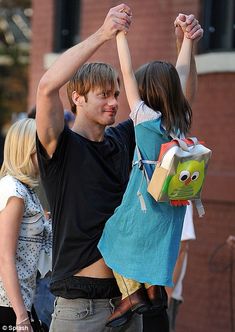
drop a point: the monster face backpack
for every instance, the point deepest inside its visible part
(180, 173)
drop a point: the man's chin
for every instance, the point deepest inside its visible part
(110, 121)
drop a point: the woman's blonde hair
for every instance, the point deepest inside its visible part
(20, 145)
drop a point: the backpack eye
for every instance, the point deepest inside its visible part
(184, 175)
(195, 176)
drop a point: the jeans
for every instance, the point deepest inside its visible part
(85, 315)
(44, 300)
(156, 322)
(172, 312)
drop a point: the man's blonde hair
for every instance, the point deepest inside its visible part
(91, 76)
(20, 144)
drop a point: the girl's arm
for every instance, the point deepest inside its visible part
(183, 62)
(194, 32)
(129, 80)
(10, 220)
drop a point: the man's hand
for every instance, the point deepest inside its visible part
(187, 24)
(117, 19)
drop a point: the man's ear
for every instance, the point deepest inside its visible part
(78, 99)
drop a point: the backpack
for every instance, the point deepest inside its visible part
(180, 172)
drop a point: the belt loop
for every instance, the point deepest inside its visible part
(112, 304)
(55, 301)
(91, 307)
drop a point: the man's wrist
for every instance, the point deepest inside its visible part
(100, 36)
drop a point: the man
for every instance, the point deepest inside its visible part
(85, 172)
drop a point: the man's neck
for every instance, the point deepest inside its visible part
(91, 131)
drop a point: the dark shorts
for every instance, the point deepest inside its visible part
(7, 319)
(84, 287)
(172, 312)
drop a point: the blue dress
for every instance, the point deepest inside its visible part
(143, 245)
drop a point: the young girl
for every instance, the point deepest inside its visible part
(25, 234)
(141, 240)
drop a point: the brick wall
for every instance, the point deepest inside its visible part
(207, 289)
(42, 41)
(206, 294)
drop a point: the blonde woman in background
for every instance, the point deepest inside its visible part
(25, 233)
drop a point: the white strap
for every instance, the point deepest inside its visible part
(194, 140)
(182, 144)
(150, 162)
(199, 207)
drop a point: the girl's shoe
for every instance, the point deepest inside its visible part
(134, 303)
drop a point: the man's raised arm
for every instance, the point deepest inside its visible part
(49, 114)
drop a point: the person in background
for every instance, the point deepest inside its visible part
(69, 118)
(231, 241)
(175, 294)
(44, 299)
(25, 242)
(1, 148)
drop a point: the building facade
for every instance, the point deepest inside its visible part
(209, 302)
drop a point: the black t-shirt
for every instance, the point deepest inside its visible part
(84, 183)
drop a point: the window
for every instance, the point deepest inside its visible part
(219, 26)
(67, 17)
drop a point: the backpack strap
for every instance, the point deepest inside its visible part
(183, 143)
(200, 208)
(146, 174)
(143, 164)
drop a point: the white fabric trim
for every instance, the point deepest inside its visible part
(188, 233)
(142, 113)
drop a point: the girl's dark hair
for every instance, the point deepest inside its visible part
(160, 89)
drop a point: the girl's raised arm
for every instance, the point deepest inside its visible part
(183, 62)
(129, 80)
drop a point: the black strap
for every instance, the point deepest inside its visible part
(36, 323)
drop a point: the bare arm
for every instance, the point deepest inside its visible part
(183, 62)
(194, 32)
(49, 115)
(10, 220)
(129, 79)
(184, 246)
